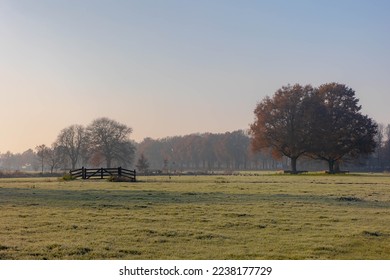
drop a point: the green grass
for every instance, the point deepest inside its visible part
(197, 217)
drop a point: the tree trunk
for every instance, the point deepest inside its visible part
(294, 164)
(336, 168)
(331, 166)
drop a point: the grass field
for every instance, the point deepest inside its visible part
(199, 217)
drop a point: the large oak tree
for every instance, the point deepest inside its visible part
(324, 123)
(341, 130)
(282, 123)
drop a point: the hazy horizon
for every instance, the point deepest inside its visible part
(169, 68)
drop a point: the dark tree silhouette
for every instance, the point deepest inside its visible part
(111, 139)
(340, 130)
(282, 123)
(71, 141)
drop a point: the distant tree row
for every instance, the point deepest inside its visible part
(204, 152)
(299, 126)
(323, 123)
(103, 142)
(208, 151)
(380, 159)
(27, 160)
(233, 151)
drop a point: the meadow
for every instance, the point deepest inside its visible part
(249, 216)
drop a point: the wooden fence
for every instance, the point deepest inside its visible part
(101, 173)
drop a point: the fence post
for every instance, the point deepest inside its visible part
(119, 171)
(83, 173)
(134, 176)
(101, 173)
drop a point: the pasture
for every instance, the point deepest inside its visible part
(265, 216)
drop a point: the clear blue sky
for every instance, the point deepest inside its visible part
(176, 67)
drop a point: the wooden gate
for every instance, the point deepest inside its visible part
(101, 173)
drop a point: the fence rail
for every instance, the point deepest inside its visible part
(101, 173)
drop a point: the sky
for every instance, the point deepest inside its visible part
(176, 67)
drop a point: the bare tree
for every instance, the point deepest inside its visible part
(42, 153)
(72, 141)
(53, 157)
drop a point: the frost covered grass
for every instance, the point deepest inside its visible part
(197, 217)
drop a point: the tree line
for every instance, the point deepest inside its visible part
(203, 152)
(298, 127)
(207, 152)
(103, 142)
(233, 151)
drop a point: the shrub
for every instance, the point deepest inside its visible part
(118, 179)
(68, 177)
